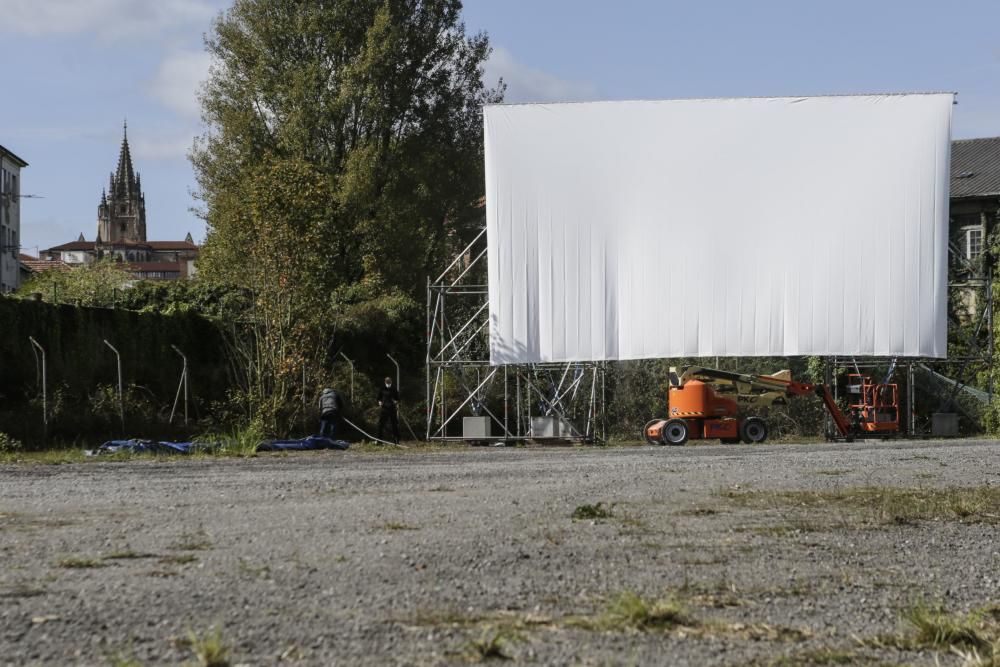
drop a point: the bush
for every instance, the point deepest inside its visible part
(8, 444)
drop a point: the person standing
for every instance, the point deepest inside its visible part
(388, 401)
(330, 406)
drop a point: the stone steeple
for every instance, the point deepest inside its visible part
(121, 214)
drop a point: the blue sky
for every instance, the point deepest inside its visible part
(74, 69)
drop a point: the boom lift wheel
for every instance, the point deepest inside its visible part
(645, 433)
(675, 432)
(753, 430)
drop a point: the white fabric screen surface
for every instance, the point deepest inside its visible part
(729, 227)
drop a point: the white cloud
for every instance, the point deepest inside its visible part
(177, 81)
(529, 84)
(106, 18)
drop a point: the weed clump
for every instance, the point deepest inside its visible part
(210, 649)
(493, 645)
(885, 505)
(80, 563)
(630, 611)
(598, 511)
(933, 627)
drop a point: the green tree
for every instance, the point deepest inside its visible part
(100, 283)
(343, 160)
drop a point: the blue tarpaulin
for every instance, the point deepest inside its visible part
(138, 446)
(303, 444)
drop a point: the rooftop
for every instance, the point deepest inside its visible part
(6, 153)
(975, 167)
(36, 265)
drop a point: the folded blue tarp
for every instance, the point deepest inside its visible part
(302, 444)
(136, 446)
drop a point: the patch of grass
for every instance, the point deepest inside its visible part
(397, 525)
(884, 505)
(209, 648)
(933, 627)
(598, 511)
(975, 637)
(46, 457)
(123, 658)
(179, 559)
(28, 522)
(630, 611)
(196, 541)
(22, 590)
(253, 570)
(698, 511)
(80, 563)
(241, 441)
(493, 645)
(128, 554)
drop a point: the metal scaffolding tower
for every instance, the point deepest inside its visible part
(549, 402)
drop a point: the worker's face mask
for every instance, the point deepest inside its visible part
(388, 384)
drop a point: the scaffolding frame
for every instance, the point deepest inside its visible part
(461, 382)
(955, 373)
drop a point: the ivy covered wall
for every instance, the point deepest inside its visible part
(82, 370)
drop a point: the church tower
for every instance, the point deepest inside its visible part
(121, 215)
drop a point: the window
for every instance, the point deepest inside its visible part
(973, 242)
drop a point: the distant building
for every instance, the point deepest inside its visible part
(975, 194)
(121, 232)
(31, 266)
(974, 213)
(10, 219)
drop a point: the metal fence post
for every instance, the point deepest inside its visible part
(183, 383)
(351, 363)
(121, 398)
(45, 410)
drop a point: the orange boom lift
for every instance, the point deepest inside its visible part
(695, 409)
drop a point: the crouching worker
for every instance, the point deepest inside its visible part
(330, 406)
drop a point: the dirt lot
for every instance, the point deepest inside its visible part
(707, 555)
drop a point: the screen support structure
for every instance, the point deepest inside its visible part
(929, 386)
(543, 402)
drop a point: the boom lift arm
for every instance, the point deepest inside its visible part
(779, 384)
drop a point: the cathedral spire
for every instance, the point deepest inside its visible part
(121, 215)
(125, 174)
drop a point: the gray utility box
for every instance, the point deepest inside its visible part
(552, 427)
(475, 428)
(549, 427)
(944, 424)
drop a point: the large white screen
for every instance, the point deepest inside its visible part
(729, 227)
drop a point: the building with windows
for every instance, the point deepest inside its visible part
(975, 194)
(10, 220)
(974, 212)
(121, 232)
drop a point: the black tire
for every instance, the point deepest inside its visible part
(674, 432)
(645, 433)
(753, 430)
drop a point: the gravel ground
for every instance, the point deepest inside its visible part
(439, 557)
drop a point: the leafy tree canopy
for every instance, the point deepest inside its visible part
(342, 163)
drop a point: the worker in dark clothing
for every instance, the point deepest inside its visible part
(330, 407)
(388, 400)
